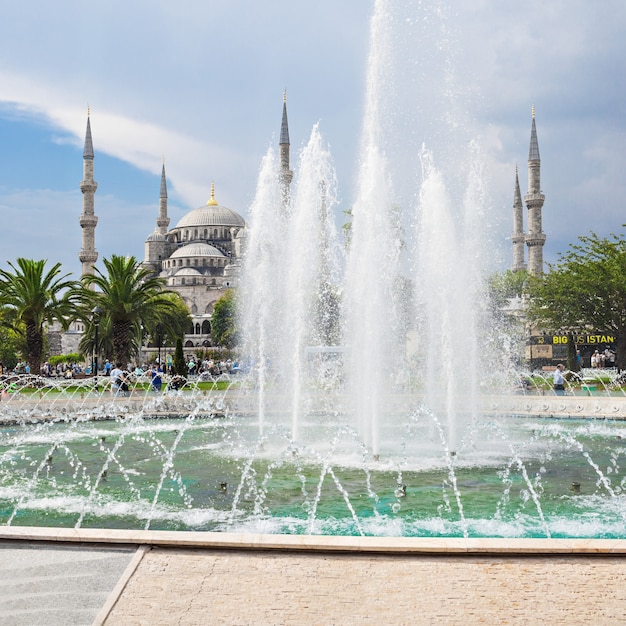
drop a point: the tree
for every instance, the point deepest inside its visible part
(504, 286)
(177, 322)
(223, 321)
(33, 298)
(585, 289)
(180, 365)
(128, 295)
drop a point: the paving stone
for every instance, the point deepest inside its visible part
(204, 586)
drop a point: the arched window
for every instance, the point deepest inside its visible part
(188, 344)
(182, 281)
(215, 233)
(206, 233)
(194, 309)
(206, 327)
(191, 329)
(195, 233)
(187, 262)
(197, 328)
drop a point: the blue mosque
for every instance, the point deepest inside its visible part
(199, 257)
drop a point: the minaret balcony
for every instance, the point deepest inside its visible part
(535, 239)
(534, 199)
(87, 256)
(88, 221)
(88, 186)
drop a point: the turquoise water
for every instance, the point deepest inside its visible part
(510, 477)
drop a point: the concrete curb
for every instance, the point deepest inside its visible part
(315, 543)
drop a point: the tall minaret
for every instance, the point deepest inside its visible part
(88, 220)
(536, 238)
(285, 176)
(163, 221)
(518, 237)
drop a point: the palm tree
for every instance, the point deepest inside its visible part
(32, 298)
(128, 296)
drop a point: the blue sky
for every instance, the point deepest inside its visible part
(201, 82)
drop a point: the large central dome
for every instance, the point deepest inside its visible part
(211, 214)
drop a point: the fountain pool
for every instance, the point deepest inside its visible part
(369, 361)
(510, 476)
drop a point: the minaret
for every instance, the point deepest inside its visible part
(536, 238)
(285, 175)
(518, 237)
(88, 220)
(163, 221)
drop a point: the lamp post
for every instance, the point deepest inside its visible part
(140, 364)
(96, 313)
(159, 334)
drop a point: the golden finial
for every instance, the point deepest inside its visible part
(88, 110)
(284, 96)
(164, 158)
(212, 201)
(533, 111)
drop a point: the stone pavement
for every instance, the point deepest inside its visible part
(202, 586)
(152, 578)
(57, 584)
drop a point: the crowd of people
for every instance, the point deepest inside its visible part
(602, 360)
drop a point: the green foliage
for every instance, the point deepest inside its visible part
(72, 357)
(502, 286)
(347, 227)
(585, 289)
(33, 297)
(223, 327)
(180, 365)
(175, 324)
(10, 344)
(128, 296)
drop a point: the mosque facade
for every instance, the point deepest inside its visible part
(200, 257)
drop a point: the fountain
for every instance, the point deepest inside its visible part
(361, 411)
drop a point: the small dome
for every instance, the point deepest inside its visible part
(156, 236)
(188, 271)
(196, 250)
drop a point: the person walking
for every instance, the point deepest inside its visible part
(117, 378)
(157, 378)
(559, 380)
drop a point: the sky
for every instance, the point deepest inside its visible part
(198, 84)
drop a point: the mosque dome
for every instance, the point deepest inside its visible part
(156, 236)
(188, 271)
(196, 249)
(211, 214)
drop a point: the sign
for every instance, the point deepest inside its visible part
(595, 339)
